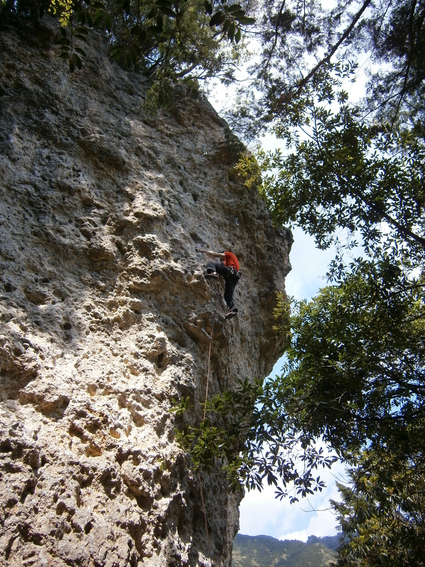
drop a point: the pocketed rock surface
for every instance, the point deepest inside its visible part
(105, 314)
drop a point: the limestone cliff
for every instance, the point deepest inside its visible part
(104, 311)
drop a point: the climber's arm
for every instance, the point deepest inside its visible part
(211, 253)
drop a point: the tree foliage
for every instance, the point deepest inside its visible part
(247, 434)
(167, 40)
(300, 40)
(382, 511)
(356, 372)
(347, 175)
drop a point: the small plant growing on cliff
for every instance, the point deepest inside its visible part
(217, 439)
(282, 315)
(68, 47)
(248, 169)
(234, 146)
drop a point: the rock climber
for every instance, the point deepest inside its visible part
(228, 268)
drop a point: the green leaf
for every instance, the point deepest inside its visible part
(238, 35)
(167, 12)
(63, 41)
(217, 19)
(239, 14)
(234, 8)
(246, 21)
(208, 7)
(76, 60)
(231, 32)
(71, 65)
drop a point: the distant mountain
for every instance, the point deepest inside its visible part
(330, 541)
(265, 551)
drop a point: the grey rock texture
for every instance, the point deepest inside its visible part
(104, 311)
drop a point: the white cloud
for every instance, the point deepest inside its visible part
(262, 514)
(309, 266)
(321, 525)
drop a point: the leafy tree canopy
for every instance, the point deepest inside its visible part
(356, 374)
(382, 511)
(167, 40)
(345, 175)
(301, 40)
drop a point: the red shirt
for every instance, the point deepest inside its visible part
(231, 261)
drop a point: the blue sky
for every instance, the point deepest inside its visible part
(261, 513)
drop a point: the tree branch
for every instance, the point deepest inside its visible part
(406, 232)
(275, 35)
(410, 59)
(325, 60)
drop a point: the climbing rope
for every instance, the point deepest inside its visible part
(205, 413)
(208, 379)
(205, 518)
(210, 337)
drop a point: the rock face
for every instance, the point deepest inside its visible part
(104, 312)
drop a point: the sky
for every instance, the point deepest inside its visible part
(261, 513)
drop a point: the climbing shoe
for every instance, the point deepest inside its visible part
(231, 313)
(211, 275)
